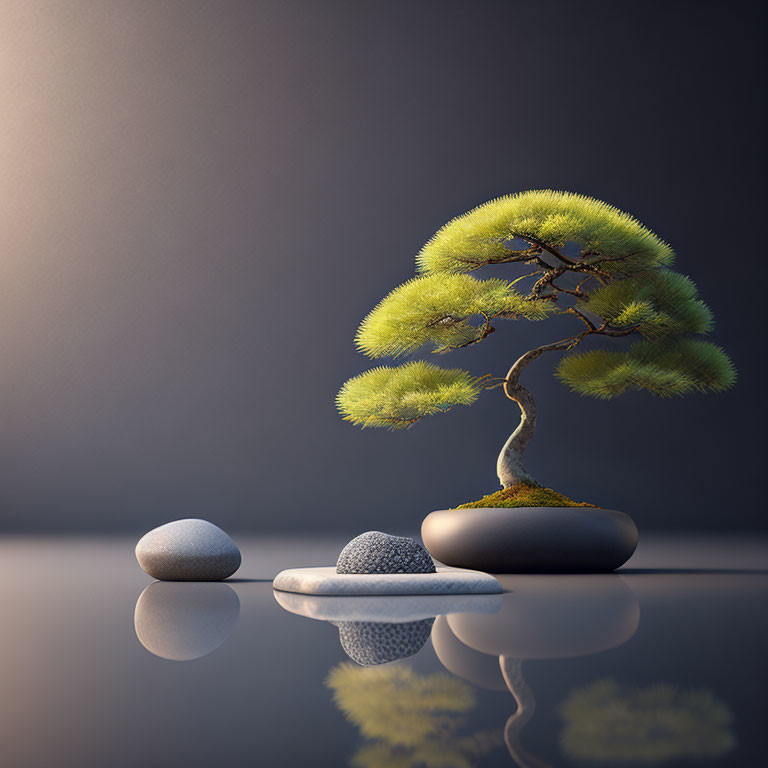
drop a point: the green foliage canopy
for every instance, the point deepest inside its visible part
(607, 235)
(396, 397)
(668, 368)
(660, 302)
(438, 310)
(621, 285)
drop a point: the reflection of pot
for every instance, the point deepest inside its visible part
(480, 669)
(541, 617)
(553, 617)
(181, 621)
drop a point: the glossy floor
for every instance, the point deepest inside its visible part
(664, 663)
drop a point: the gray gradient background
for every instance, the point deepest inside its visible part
(200, 201)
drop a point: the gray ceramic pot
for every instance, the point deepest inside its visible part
(531, 539)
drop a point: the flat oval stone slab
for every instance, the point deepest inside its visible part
(531, 539)
(188, 550)
(445, 581)
(377, 552)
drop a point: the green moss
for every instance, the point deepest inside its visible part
(522, 495)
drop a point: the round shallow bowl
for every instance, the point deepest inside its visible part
(531, 539)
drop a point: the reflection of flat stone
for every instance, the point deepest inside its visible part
(531, 539)
(325, 581)
(384, 608)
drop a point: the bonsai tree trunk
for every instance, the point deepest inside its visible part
(509, 466)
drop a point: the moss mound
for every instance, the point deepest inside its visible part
(522, 495)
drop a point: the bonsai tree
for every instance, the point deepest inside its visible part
(580, 257)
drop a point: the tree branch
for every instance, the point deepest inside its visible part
(512, 379)
(527, 256)
(609, 330)
(590, 276)
(548, 278)
(544, 247)
(587, 258)
(575, 293)
(529, 252)
(582, 317)
(485, 330)
(522, 277)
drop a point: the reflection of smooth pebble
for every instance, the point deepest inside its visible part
(370, 643)
(188, 550)
(185, 621)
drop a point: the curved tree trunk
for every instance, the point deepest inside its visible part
(509, 466)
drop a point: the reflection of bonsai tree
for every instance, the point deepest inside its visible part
(658, 722)
(469, 663)
(559, 617)
(619, 284)
(411, 719)
(512, 670)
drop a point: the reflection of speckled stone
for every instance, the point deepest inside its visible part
(376, 552)
(370, 643)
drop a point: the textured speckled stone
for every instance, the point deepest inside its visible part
(377, 552)
(188, 550)
(370, 643)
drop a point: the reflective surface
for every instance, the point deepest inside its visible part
(663, 663)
